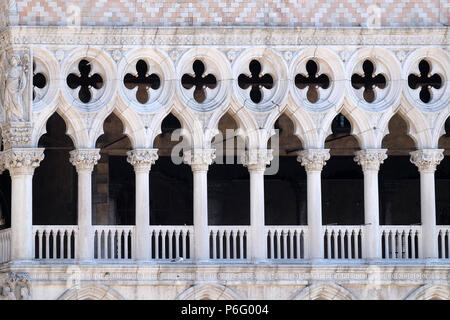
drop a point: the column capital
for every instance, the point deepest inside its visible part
(142, 159)
(22, 161)
(17, 135)
(199, 159)
(427, 159)
(313, 159)
(84, 159)
(257, 159)
(370, 159)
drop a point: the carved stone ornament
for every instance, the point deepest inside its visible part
(427, 159)
(370, 159)
(14, 286)
(14, 83)
(257, 159)
(16, 135)
(313, 159)
(199, 159)
(84, 159)
(22, 161)
(142, 159)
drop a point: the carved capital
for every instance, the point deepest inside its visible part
(22, 161)
(199, 159)
(15, 286)
(16, 135)
(313, 159)
(257, 159)
(142, 159)
(427, 159)
(370, 159)
(84, 159)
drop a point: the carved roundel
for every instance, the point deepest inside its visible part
(45, 86)
(317, 79)
(374, 79)
(146, 79)
(427, 85)
(261, 80)
(89, 79)
(204, 78)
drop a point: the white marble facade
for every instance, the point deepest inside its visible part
(226, 53)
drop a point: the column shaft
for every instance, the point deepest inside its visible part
(258, 241)
(201, 235)
(85, 236)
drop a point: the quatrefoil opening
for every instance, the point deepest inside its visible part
(85, 80)
(257, 81)
(39, 82)
(369, 80)
(313, 81)
(143, 81)
(199, 80)
(425, 81)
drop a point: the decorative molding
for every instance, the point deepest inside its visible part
(16, 135)
(22, 161)
(199, 159)
(245, 36)
(257, 159)
(427, 159)
(313, 159)
(84, 159)
(370, 159)
(142, 159)
(15, 286)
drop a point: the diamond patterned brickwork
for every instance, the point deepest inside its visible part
(301, 13)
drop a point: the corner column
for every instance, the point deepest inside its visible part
(84, 161)
(142, 160)
(426, 161)
(199, 160)
(370, 160)
(256, 161)
(313, 160)
(21, 163)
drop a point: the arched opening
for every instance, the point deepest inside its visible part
(342, 178)
(285, 191)
(113, 182)
(443, 180)
(171, 184)
(399, 180)
(55, 175)
(228, 179)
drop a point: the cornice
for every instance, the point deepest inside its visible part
(226, 36)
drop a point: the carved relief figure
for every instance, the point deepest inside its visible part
(14, 85)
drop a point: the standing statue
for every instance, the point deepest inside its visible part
(14, 85)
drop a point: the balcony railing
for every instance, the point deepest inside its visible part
(286, 242)
(342, 242)
(5, 245)
(401, 242)
(55, 242)
(227, 243)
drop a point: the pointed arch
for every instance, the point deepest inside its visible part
(303, 126)
(91, 292)
(430, 292)
(327, 291)
(208, 291)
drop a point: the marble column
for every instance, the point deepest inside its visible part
(21, 162)
(426, 161)
(84, 161)
(199, 160)
(142, 160)
(256, 161)
(313, 160)
(370, 160)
